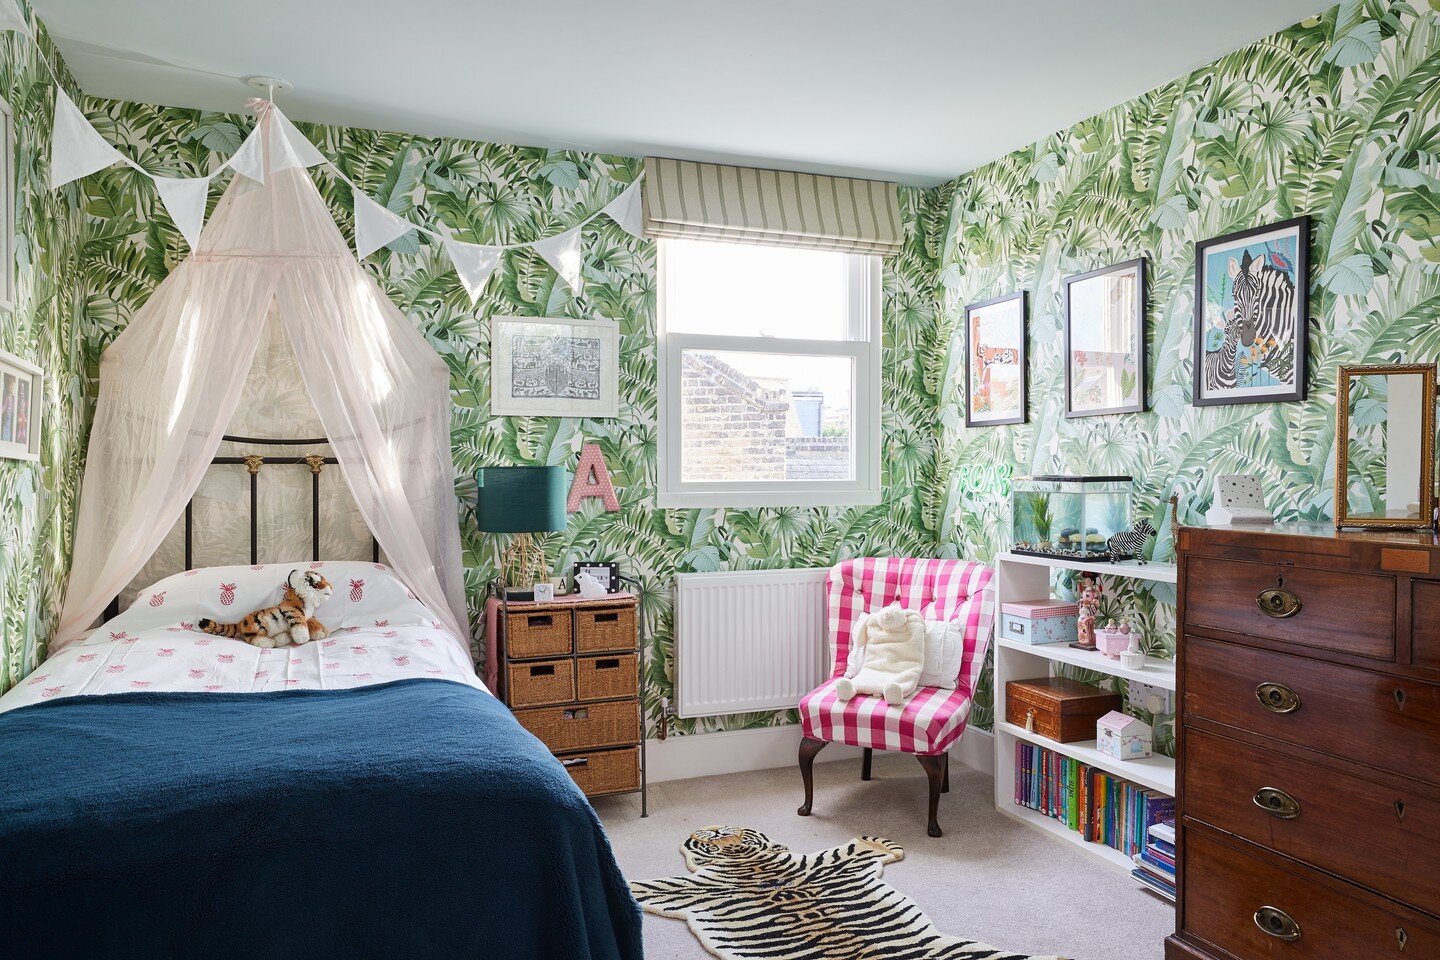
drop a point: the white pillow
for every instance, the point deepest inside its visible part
(944, 653)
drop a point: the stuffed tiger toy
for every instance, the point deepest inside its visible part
(292, 620)
(750, 897)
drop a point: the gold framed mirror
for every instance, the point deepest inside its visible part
(1385, 446)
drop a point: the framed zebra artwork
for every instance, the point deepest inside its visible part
(1105, 340)
(1252, 304)
(995, 378)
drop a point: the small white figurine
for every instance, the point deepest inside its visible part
(1133, 658)
(589, 587)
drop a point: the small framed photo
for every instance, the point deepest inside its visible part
(607, 573)
(1252, 309)
(21, 400)
(995, 361)
(554, 367)
(1105, 341)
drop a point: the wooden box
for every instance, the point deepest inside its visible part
(1063, 710)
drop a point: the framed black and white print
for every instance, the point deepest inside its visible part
(995, 378)
(1105, 340)
(554, 367)
(1252, 308)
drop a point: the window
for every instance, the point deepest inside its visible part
(769, 374)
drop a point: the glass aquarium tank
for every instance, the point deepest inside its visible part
(1068, 517)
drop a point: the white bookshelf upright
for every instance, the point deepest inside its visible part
(1023, 577)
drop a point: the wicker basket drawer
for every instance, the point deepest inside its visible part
(533, 684)
(584, 727)
(606, 678)
(605, 629)
(544, 633)
(605, 771)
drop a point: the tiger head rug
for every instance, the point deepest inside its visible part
(749, 897)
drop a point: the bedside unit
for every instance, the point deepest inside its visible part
(571, 670)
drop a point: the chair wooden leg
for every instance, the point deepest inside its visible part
(808, 749)
(865, 764)
(935, 772)
(945, 786)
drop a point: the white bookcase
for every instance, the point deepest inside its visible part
(1028, 578)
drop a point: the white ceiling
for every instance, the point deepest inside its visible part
(916, 90)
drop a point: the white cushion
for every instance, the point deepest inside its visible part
(944, 653)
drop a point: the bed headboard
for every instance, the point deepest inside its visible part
(253, 464)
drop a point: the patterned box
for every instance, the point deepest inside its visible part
(1039, 621)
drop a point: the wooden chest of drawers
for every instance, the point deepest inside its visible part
(1309, 745)
(570, 670)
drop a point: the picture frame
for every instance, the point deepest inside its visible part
(1254, 349)
(554, 367)
(22, 394)
(607, 573)
(1104, 333)
(996, 378)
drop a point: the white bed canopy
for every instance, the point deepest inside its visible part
(171, 382)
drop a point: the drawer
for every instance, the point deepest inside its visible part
(1388, 722)
(605, 771)
(1345, 612)
(584, 727)
(544, 633)
(604, 678)
(1382, 838)
(533, 684)
(1225, 887)
(1425, 622)
(605, 629)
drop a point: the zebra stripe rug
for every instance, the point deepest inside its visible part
(750, 898)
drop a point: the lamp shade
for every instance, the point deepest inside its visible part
(520, 499)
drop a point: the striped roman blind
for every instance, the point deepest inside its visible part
(710, 201)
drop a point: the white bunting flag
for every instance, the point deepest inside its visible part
(12, 19)
(628, 211)
(562, 252)
(375, 226)
(249, 160)
(185, 200)
(288, 146)
(473, 262)
(76, 148)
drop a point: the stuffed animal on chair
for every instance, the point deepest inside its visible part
(891, 655)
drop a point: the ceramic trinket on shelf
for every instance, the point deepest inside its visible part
(1113, 639)
(1089, 610)
(1132, 657)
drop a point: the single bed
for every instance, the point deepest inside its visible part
(167, 793)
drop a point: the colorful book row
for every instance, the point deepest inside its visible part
(1101, 807)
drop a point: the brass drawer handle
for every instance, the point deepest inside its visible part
(1277, 602)
(1277, 803)
(1277, 698)
(1277, 923)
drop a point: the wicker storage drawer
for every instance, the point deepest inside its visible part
(544, 633)
(605, 771)
(1063, 710)
(584, 727)
(606, 678)
(533, 684)
(601, 630)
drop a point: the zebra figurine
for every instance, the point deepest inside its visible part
(1264, 304)
(1130, 544)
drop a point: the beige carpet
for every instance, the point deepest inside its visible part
(988, 878)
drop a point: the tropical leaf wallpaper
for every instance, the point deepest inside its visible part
(37, 500)
(1337, 117)
(498, 193)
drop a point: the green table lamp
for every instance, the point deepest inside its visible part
(523, 501)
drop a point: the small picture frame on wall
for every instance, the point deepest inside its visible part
(21, 402)
(555, 367)
(995, 378)
(1105, 340)
(607, 573)
(1252, 308)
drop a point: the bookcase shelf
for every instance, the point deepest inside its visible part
(1022, 577)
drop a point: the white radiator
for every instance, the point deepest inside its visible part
(748, 641)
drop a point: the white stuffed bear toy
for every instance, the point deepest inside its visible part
(887, 654)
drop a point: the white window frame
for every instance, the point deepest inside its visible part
(862, 308)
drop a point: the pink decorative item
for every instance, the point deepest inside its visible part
(1089, 604)
(227, 594)
(592, 479)
(357, 590)
(1113, 640)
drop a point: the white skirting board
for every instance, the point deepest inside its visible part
(736, 751)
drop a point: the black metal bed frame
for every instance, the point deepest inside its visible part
(253, 462)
